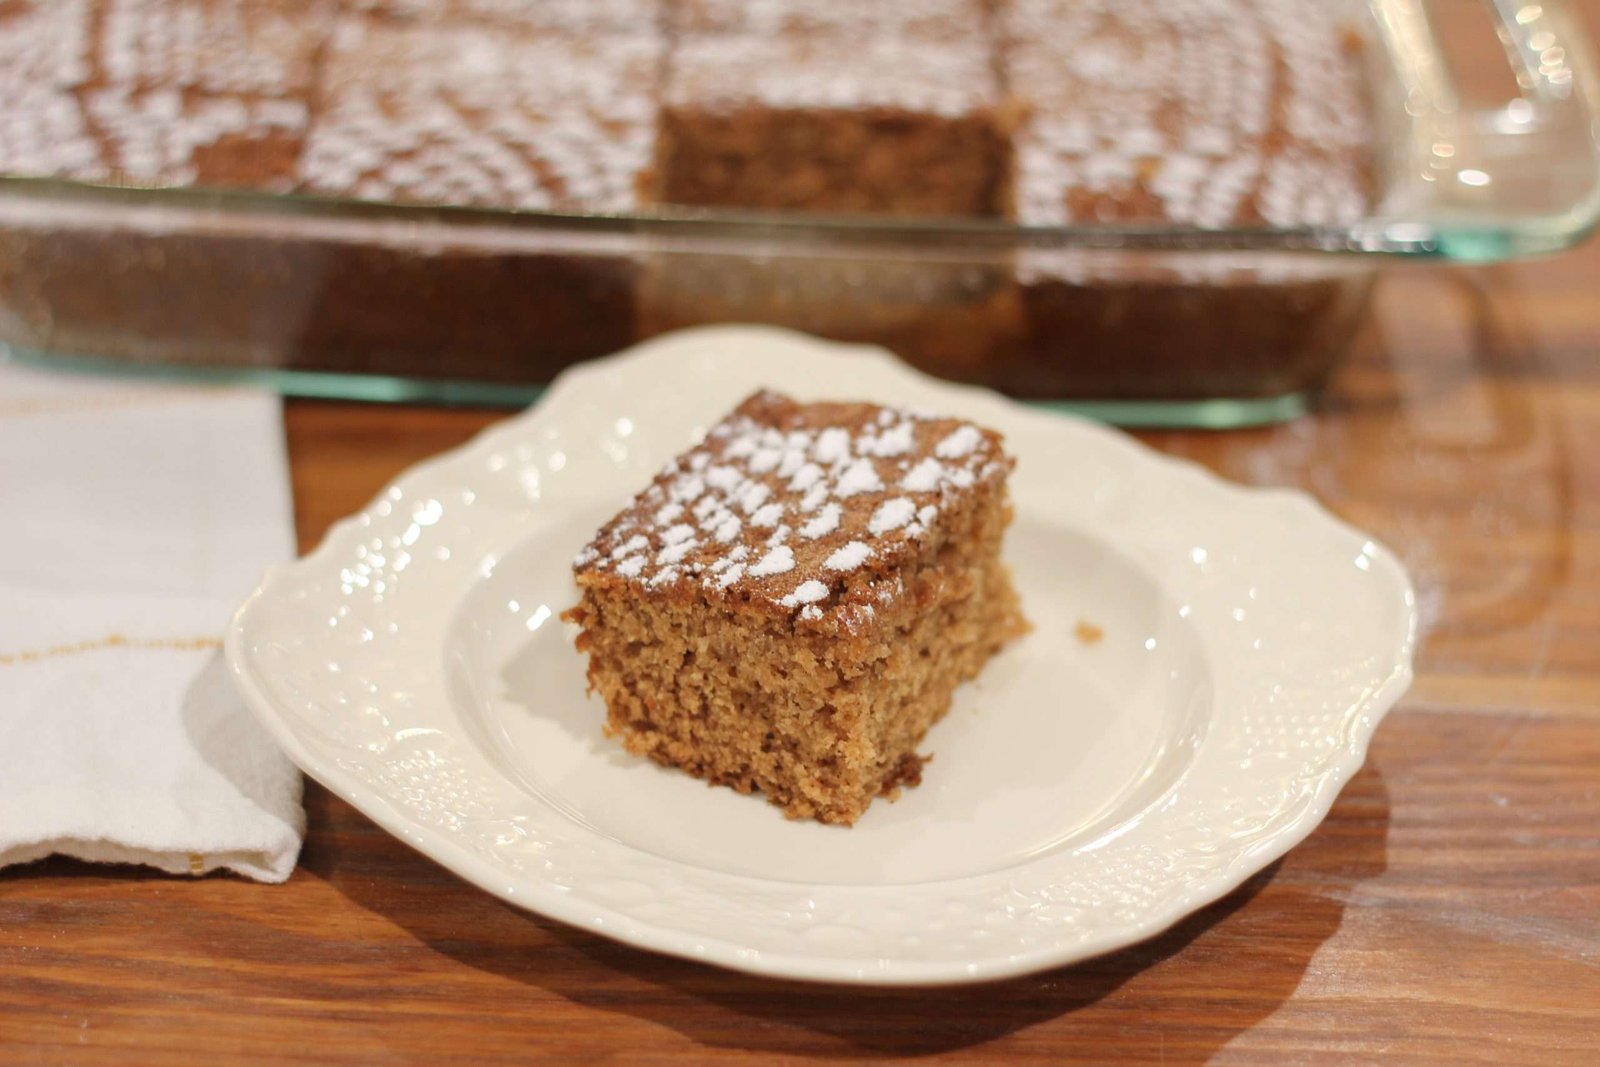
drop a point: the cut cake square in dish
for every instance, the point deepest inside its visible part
(790, 604)
(1208, 114)
(917, 19)
(158, 92)
(1202, 113)
(484, 115)
(571, 16)
(833, 123)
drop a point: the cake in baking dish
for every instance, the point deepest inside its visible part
(158, 92)
(1210, 113)
(487, 116)
(799, 120)
(918, 19)
(790, 604)
(1169, 114)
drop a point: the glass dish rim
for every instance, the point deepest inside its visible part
(1458, 239)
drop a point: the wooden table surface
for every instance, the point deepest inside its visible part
(1447, 911)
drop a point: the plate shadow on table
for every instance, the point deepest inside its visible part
(1256, 944)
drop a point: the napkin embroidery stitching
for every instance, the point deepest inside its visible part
(111, 641)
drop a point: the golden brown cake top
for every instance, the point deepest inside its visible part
(807, 508)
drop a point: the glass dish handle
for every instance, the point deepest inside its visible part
(1524, 176)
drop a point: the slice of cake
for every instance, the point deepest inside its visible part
(1208, 113)
(572, 16)
(45, 58)
(205, 92)
(919, 19)
(833, 123)
(491, 116)
(790, 604)
(158, 92)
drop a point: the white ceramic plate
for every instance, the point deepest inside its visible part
(1082, 796)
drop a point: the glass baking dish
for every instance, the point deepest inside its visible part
(1143, 325)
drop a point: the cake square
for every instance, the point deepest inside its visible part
(1202, 113)
(790, 604)
(46, 42)
(44, 58)
(166, 136)
(484, 116)
(947, 19)
(200, 92)
(1192, 112)
(255, 48)
(570, 16)
(159, 92)
(833, 123)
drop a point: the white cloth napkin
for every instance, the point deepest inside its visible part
(133, 518)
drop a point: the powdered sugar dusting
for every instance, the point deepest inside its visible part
(753, 495)
(806, 477)
(155, 91)
(793, 460)
(918, 19)
(767, 516)
(833, 445)
(778, 489)
(636, 543)
(825, 522)
(961, 442)
(723, 479)
(860, 477)
(891, 515)
(1190, 111)
(807, 592)
(895, 441)
(470, 114)
(849, 557)
(688, 489)
(777, 561)
(675, 552)
(718, 72)
(924, 477)
(765, 459)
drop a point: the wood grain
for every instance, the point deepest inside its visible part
(1448, 910)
